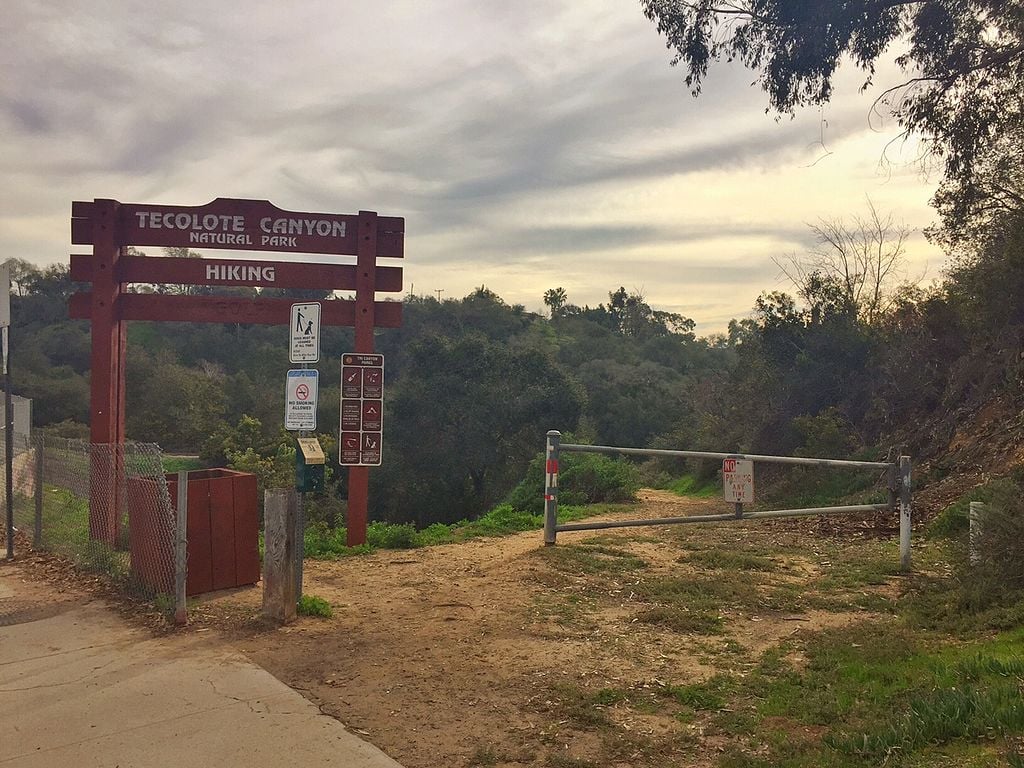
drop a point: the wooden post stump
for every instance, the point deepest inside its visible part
(279, 593)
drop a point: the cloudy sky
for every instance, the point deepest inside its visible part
(528, 145)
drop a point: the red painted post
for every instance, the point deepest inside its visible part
(366, 263)
(107, 377)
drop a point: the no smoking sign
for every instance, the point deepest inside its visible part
(300, 399)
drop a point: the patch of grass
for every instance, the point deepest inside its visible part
(700, 592)
(310, 605)
(567, 611)
(581, 707)
(941, 717)
(851, 601)
(681, 620)
(693, 487)
(591, 559)
(957, 608)
(728, 559)
(707, 696)
(564, 761)
(870, 570)
(483, 757)
(879, 693)
(324, 543)
(609, 696)
(784, 598)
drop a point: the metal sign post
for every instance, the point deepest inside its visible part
(300, 405)
(5, 329)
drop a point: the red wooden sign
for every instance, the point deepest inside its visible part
(234, 272)
(240, 225)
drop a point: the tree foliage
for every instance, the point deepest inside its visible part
(963, 59)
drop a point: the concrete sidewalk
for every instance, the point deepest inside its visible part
(81, 688)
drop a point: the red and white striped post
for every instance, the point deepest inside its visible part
(551, 487)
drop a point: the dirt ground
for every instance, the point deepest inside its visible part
(498, 651)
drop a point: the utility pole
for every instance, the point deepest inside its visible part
(439, 291)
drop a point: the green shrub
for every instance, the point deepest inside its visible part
(695, 487)
(827, 434)
(310, 605)
(950, 523)
(391, 535)
(1001, 538)
(504, 518)
(587, 478)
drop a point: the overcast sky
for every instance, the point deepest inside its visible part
(528, 145)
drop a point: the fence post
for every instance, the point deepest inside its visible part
(37, 530)
(279, 598)
(181, 551)
(975, 518)
(905, 489)
(551, 487)
(300, 542)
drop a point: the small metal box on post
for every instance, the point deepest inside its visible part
(309, 466)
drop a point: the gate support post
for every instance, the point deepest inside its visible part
(904, 491)
(551, 487)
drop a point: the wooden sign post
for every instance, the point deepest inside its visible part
(231, 224)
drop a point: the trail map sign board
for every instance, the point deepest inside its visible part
(738, 480)
(300, 399)
(305, 334)
(238, 225)
(362, 409)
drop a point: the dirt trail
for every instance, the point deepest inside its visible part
(441, 650)
(449, 655)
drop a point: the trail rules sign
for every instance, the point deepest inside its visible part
(300, 399)
(738, 480)
(305, 334)
(362, 409)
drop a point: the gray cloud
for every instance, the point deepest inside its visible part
(458, 115)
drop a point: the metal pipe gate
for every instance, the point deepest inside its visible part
(898, 481)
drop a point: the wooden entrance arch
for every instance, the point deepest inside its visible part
(226, 224)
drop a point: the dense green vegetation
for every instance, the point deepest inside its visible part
(473, 384)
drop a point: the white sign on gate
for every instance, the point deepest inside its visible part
(738, 480)
(305, 333)
(300, 399)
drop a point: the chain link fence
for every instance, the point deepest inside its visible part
(106, 508)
